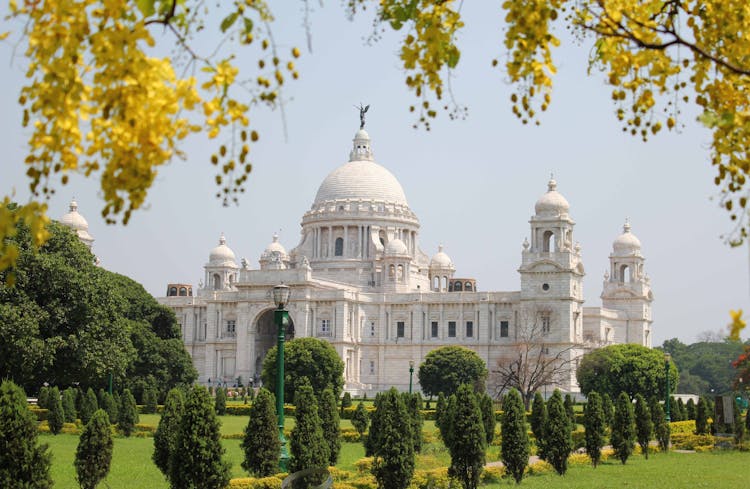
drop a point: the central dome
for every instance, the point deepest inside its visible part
(361, 180)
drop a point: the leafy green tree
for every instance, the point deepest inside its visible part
(468, 441)
(220, 401)
(308, 445)
(679, 408)
(609, 410)
(413, 403)
(346, 401)
(149, 400)
(128, 413)
(595, 426)
(89, 405)
(261, 444)
(56, 415)
(538, 420)
(197, 460)
(329, 417)
(446, 368)
(623, 428)
(393, 465)
(24, 463)
(661, 427)
(108, 404)
(373, 436)
(360, 419)
(441, 406)
(94, 452)
(69, 405)
(515, 440)
(628, 368)
(42, 399)
(570, 411)
(167, 431)
(557, 440)
(644, 425)
(488, 416)
(690, 409)
(313, 358)
(704, 366)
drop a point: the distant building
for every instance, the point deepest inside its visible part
(360, 280)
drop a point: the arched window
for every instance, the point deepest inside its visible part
(445, 282)
(217, 281)
(436, 283)
(392, 271)
(400, 273)
(548, 241)
(172, 291)
(183, 291)
(467, 287)
(457, 287)
(339, 247)
(450, 287)
(625, 274)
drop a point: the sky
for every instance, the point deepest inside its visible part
(472, 182)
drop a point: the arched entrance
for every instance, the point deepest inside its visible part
(266, 337)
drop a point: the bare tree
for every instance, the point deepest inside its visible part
(534, 360)
(708, 336)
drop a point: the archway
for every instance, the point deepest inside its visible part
(266, 337)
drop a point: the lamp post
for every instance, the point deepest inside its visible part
(667, 360)
(411, 373)
(281, 317)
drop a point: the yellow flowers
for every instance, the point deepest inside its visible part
(737, 324)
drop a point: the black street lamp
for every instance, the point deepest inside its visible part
(411, 373)
(281, 317)
(667, 360)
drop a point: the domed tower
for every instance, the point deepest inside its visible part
(552, 271)
(274, 257)
(627, 288)
(221, 269)
(358, 210)
(396, 267)
(78, 224)
(441, 271)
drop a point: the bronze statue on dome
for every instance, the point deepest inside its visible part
(362, 111)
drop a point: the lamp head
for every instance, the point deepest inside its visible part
(281, 295)
(667, 357)
(411, 364)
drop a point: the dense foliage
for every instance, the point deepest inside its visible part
(488, 416)
(595, 427)
(329, 417)
(538, 420)
(515, 440)
(557, 440)
(393, 465)
(360, 419)
(94, 452)
(261, 444)
(623, 428)
(644, 425)
(629, 368)
(468, 441)
(312, 358)
(24, 463)
(705, 367)
(308, 446)
(127, 413)
(165, 436)
(68, 322)
(446, 368)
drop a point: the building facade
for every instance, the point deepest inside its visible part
(360, 281)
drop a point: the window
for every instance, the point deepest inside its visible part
(231, 328)
(400, 329)
(372, 367)
(503, 329)
(183, 291)
(468, 287)
(451, 329)
(172, 291)
(325, 327)
(469, 329)
(372, 328)
(457, 287)
(434, 332)
(339, 247)
(545, 323)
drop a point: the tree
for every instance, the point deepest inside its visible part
(24, 463)
(372, 441)
(89, 405)
(42, 399)
(94, 452)
(468, 440)
(515, 440)
(110, 406)
(570, 412)
(595, 426)
(149, 400)
(308, 445)
(444, 369)
(557, 440)
(360, 419)
(313, 358)
(442, 420)
(56, 415)
(128, 413)
(701, 418)
(69, 405)
(644, 425)
(609, 410)
(538, 421)
(197, 461)
(261, 444)
(533, 362)
(220, 402)
(346, 401)
(167, 431)
(488, 416)
(393, 464)
(661, 427)
(329, 417)
(628, 368)
(623, 428)
(704, 366)
(413, 403)
(738, 425)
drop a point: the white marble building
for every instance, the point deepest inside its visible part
(360, 280)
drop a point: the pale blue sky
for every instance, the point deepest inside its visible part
(472, 183)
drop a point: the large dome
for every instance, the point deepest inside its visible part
(361, 180)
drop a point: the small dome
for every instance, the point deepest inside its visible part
(274, 249)
(626, 243)
(73, 219)
(222, 255)
(396, 247)
(552, 203)
(441, 259)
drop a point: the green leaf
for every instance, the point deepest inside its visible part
(248, 25)
(228, 21)
(146, 7)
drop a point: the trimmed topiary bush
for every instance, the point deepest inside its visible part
(94, 452)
